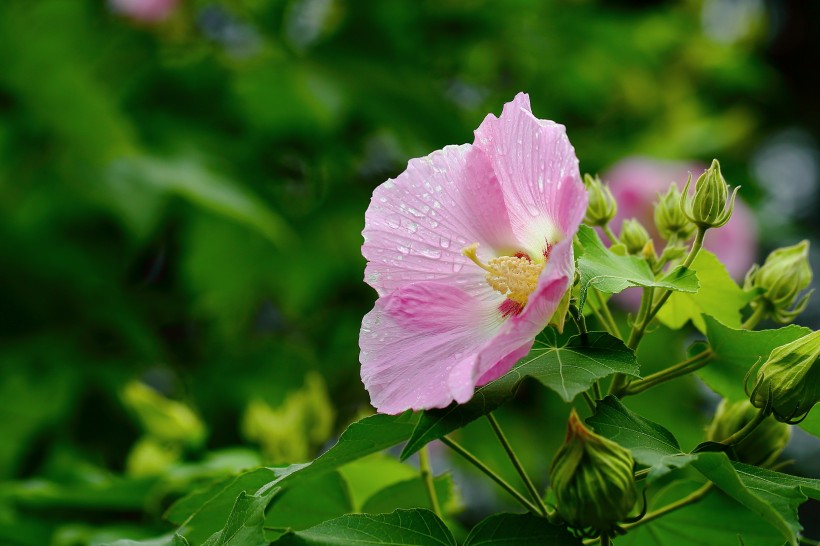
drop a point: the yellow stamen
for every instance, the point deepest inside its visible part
(513, 276)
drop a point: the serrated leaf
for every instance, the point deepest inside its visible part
(400, 528)
(519, 530)
(610, 273)
(718, 296)
(650, 443)
(774, 497)
(413, 494)
(567, 369)
(714, 520)
(313, 501)
(245, 525)
(204, 512)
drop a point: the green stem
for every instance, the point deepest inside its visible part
(608, 320)
(641, 474)
(473, 460)
(606, 540)
(756, 317)
(502, 438)
(609, 233)
(619, 380)
(741, 434)
(596, 389)
(682, 368)
(427, 478)
(590, 401)
(691, 498)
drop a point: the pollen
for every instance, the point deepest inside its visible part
(513, 276)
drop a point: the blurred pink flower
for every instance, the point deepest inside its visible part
(470, 251)
(147, 11)
(635, 183)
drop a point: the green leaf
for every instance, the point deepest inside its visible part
(245, 525)
(203, 512)
(651, 444)
(718, 296)
(736, 351)
(166, 540)
(412, 494)
(400, 528)
(568, 370)
(313, 501)
(519, 530)
(610, 273)
(368, 475)
(714, 520)
(770, 495)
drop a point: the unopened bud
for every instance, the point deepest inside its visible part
(634, 236)
(163, 418)
(782, 277)
(593, 480)
(762, 446)
(709, 208)
(791, 377)
(602, 206)
(670, 218)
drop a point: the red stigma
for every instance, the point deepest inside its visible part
(523, 255)
(547, 252)
(510, 308)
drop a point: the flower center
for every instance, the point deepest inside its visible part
(513, 276)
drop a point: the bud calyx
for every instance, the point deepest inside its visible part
(762, 446)
(781, 278)
(602, 206)
(709, 208)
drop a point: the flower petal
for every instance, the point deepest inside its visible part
(538, 171)
(417, 224)
(413, 338)
(516, 336)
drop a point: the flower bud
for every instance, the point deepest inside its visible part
(163, 418)
(634, 236)
(762, 446)
(708, 208)
(785, 273)
(669, 216)
(602, 206)
(593, 480)
(791, 377)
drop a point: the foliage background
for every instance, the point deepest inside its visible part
(181, 204)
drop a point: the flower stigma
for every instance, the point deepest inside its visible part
(513, 276)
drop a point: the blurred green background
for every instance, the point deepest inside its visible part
(181, 201)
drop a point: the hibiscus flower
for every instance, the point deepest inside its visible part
(470, 252)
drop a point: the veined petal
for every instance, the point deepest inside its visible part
(417, 224)
(515, 337)
(538, 171)
(414, 337)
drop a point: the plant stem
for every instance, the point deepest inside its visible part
(427, 478)
(517, 464)
(473, 460)
(607, 319)
(609, 233)
(590, 401)
(741, 434)
(682, 368)
(641, 474)
(596, 389)
(619, 380)
(606, 540)
(755, 317)
(691, 498)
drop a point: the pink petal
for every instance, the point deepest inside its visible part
(516, 336)
(414, 337)
(538, 171)
(417, 224)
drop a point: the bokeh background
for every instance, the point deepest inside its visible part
(183, 186)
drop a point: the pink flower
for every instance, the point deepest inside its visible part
(147, 11)
(635, 183)
(470, 251)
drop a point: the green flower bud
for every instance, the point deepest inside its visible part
(791, 376)
(593, 481)
(634, 236)
(602, 206)
(708, 208)
(669, 216)
(781, 278)
(163, 418)
(762, 446)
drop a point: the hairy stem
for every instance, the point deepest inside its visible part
(427, 478)
(502, 438)
(682, 368)
(473, 460)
